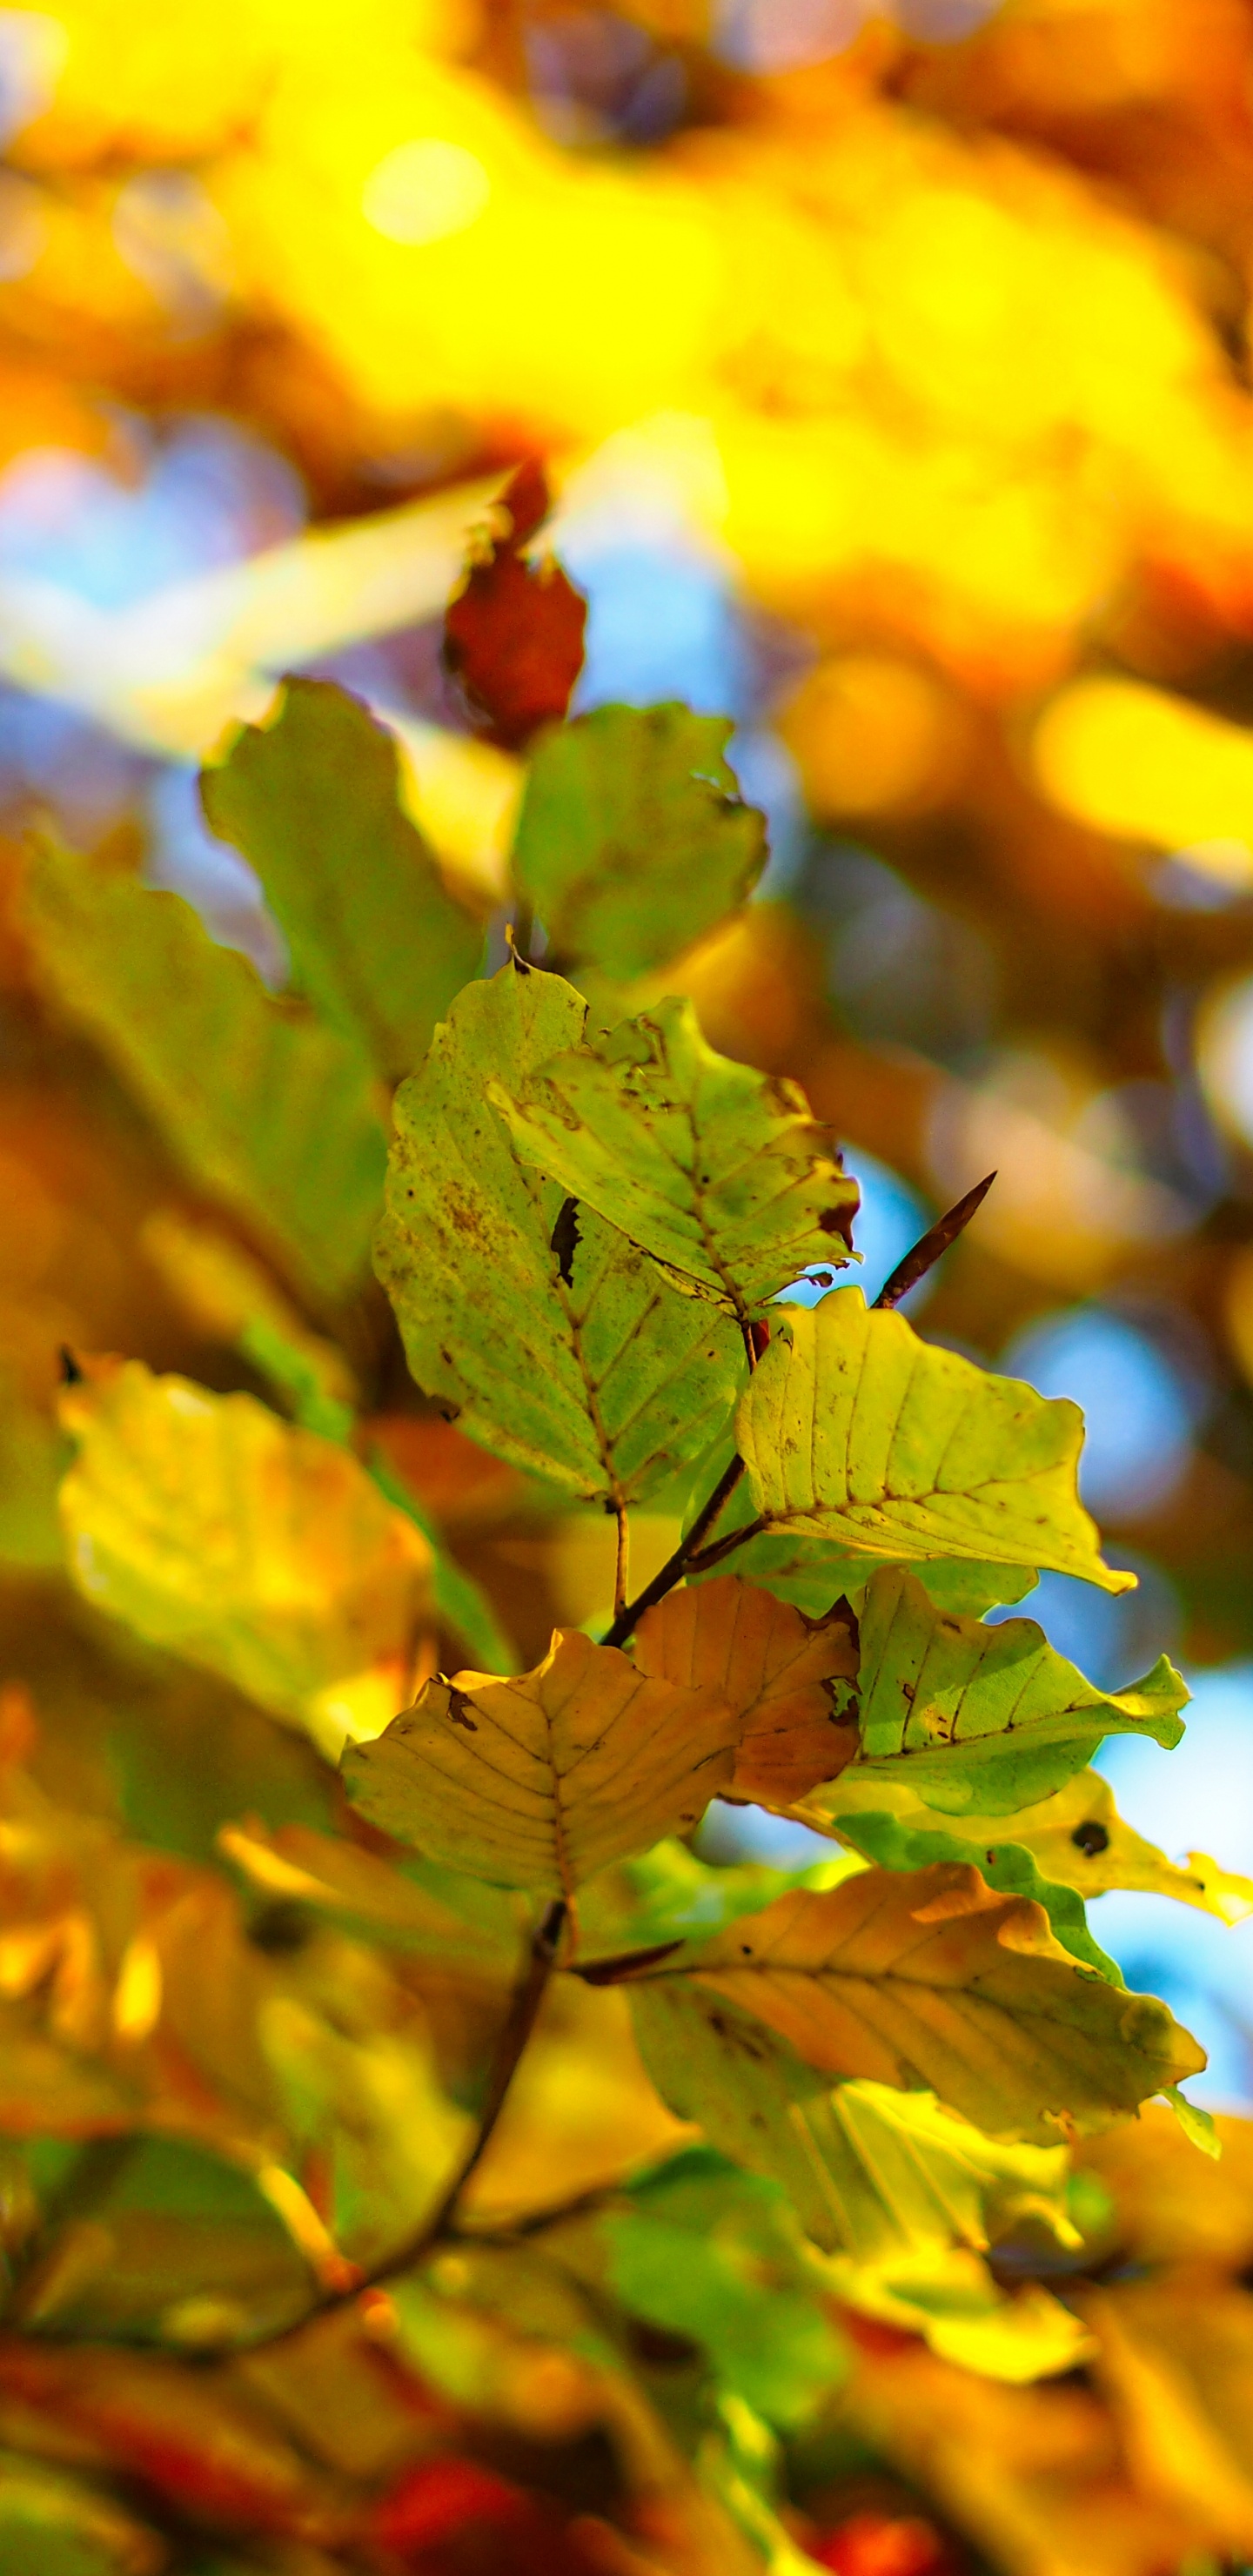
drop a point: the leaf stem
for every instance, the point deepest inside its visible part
(523, 930)
(622, 1561)
(676, 1566)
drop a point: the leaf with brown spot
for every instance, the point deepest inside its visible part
(779, 1673)
(541, 1781)
(513, 636)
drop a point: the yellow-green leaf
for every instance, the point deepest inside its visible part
(261, 1106)
(246, 1545)
(987, 1719)
(632, 840)
(541, 1781)
(1078, 1839)
(719, 1172)
(931, 1980)
(784, 1677)
(559, 1345)
(954, 2301)
(376, 943)
(853, 1429)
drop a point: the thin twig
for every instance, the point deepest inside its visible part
(515, 2031)
(622, 1560)
(676, 1566)
(518, 2025)
(927, 1250)
(523, 930)
(708, 1557)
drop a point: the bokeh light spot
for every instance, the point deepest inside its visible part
(425, 191)
(1139, 1409)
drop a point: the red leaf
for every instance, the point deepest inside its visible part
(514, 635)
(431, 2502)
(879, 2544)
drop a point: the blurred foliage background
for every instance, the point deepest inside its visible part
(891, 369)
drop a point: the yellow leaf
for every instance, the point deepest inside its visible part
(1076, 1838)
(541, 1781)
(852, 1429)
(244, 1544)
(775, 1669)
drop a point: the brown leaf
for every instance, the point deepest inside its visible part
(514, 635)
(774, 1668)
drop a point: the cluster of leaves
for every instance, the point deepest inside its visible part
(483, 2170)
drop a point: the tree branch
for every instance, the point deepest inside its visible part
(515, 2031)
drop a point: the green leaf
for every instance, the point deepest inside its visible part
(261, 1106)
(558, 1344)
(853, 1429)
(719, 1172)
(246, 1545)
(928, 1980)
(985, 1719)
(312, 800)
(633, 841)
(62, 2526)
(541, 1781)
(706, 2251)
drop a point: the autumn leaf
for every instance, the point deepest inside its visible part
(985, 1718)
(244, 1544)
(513, 636)
(311, 798)
(784, 1678)
(1078, 1839)
(926, 1979)
(633, 841)
(889, 1825)
(542, 1781)
(719, 1172)
(853, 1429)
(260, 1105)
(559, 1345)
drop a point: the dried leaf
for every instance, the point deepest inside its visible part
(633, 841)
(779, 1673)
(854, 1429)
(719, 1172)
(312, 800)
(244, 1544)
(514, 634)
(542, 1781)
